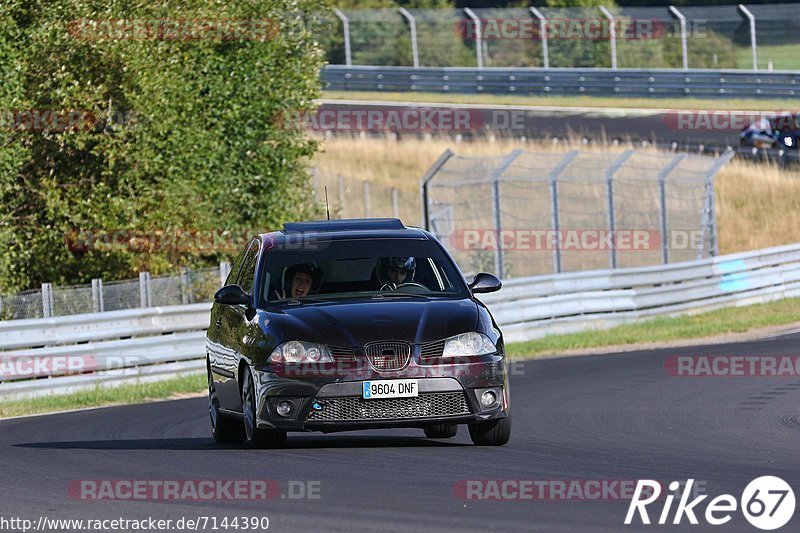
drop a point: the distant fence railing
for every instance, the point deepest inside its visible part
(631, 83)
(751, 37)
(53, 355)
(189, 286)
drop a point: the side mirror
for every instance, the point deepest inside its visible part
(232, 295)
(484, 282)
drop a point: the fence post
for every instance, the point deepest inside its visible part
(543, 31)
(47, 300)
(412, 24)
(224, 271)
(184, 278)
(478, 37)
(747, 13)
(612, 35)
(662, 202)
(554, 216)
(709, 218)
(684, 49)
(340, 180)
(612, 219)
(395, 203)
(423, 185)
(144, 289)
(497, 174)
(348, 57)
(98, 305)
(366, 200)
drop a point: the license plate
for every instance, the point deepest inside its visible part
(391, 388)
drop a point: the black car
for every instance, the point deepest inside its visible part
(353, 324)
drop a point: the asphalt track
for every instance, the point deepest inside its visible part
(614, 417)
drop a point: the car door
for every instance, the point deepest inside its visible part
(234, 327)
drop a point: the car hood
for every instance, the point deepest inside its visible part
(355, 323)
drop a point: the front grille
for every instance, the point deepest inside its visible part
(438, 404)
(388, 356)
(432, 349)
(340, 353)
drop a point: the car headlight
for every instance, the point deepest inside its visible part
(300, 352)
(472, 343)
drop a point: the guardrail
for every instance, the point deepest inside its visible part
(529, 308)
(66, 354)
(624, 83)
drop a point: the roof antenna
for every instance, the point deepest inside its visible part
(327, 208)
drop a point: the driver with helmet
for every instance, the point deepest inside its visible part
(395, 271)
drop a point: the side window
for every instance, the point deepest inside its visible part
(248, 271)
(233, 274)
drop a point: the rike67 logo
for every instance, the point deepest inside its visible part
(767, 503)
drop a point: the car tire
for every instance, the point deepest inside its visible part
(224, 429)
(255, 437)
(491, 432)
(441, 431)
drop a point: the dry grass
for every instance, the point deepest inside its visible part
(757, 205)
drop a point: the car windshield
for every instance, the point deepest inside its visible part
(358, 268)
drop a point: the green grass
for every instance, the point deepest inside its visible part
(560, 101)
(720, 322)
(783, 57)
(98, 397)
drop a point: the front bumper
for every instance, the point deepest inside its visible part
(448, 393)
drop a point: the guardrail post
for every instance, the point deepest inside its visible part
(98, 302)
(612, 219)
(47, 300)
(423, 185)
(340, 182)
(555, 220)
(747, 13)
(348, 57)
(395, 203)
(366, 199)
(612, 34)
(144, 289)
(412, 24)
(662, 202)
(224, 271)
(478, 37)
(684, 49)
(543, 30)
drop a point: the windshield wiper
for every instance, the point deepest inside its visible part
(400, 295)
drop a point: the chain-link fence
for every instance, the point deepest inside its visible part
(190, 286)
(530, 213)
(766, 36)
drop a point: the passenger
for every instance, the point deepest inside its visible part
(300, 280)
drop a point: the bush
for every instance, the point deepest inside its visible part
(175, 133)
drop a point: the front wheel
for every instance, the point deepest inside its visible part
(491, 432)
(256, 437)
(225, 430)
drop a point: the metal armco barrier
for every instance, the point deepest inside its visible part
(157, 343)
(639, 83)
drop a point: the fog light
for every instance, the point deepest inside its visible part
(284, 408)
(488, 398)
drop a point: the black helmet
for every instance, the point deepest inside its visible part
(312, 269)
(408, 264)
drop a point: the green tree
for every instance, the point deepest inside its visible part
(187, 132)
